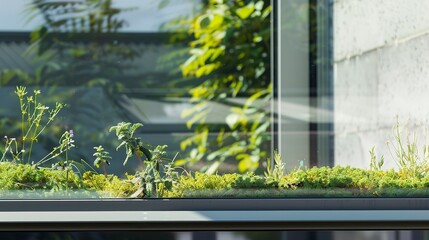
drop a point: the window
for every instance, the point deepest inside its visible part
(196, 74)
(207, 105)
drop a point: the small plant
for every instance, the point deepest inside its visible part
(250, 180)
(276, 172)
(165, 175)
(156, 178)
(133, 145)
(410, 161)
(101, 158)
(35, 117)
(375, 165)
(11, 147)
(66, 143)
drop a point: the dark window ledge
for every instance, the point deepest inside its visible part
(215, 214)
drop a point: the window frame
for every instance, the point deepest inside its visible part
(215, 214)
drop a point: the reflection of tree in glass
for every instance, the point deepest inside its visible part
(230, 57)
(77, 42)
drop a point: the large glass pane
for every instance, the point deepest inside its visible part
(213, 99)
(356, 120)
(130, 99)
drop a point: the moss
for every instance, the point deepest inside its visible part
(25, 176)
(200, 181)
(109, 186)
(28, 181)
(250, 180)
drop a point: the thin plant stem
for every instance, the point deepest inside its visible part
(21, 103)
(139, 158)
(33, 136)
(104, 169)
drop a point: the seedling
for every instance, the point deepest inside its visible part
(133, 145)
(101, 158)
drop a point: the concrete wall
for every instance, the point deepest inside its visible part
(381, 70)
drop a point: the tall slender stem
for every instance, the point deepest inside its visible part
(139, 158)
(104, 169)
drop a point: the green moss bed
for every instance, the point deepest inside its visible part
(29, 182)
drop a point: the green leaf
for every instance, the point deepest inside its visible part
(126, 160)
(216, 21)
(243, 166)
(257, 39)
(232, 120)
(120, 145)
(262, 128)
(247, 163)
(135, 126)
(213, 155)
(146, 152)
(97, 163)
(259, 5)
(180, 162)
(213, 168)
(200, 117)
(204, 21)
(266, 12)
(245, 11)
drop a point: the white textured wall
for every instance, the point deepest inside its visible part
(381, 71)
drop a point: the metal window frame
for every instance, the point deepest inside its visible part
(215, 214)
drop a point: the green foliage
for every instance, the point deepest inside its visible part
(250, 180)
(68, 49)
(374, 163)
(323, 177)
(230, 58)
(153, 180)
(156, 178)
(404, 149)
(29, 177)
(133, 145)
(411, 162)
(109, 186)
(273, 174)
(315, 182)
(66, 142)
(349, 178)
(57, 43)
(200, 181)
(35, 117)
(101, 158)
(324, 181)
(66, 45)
